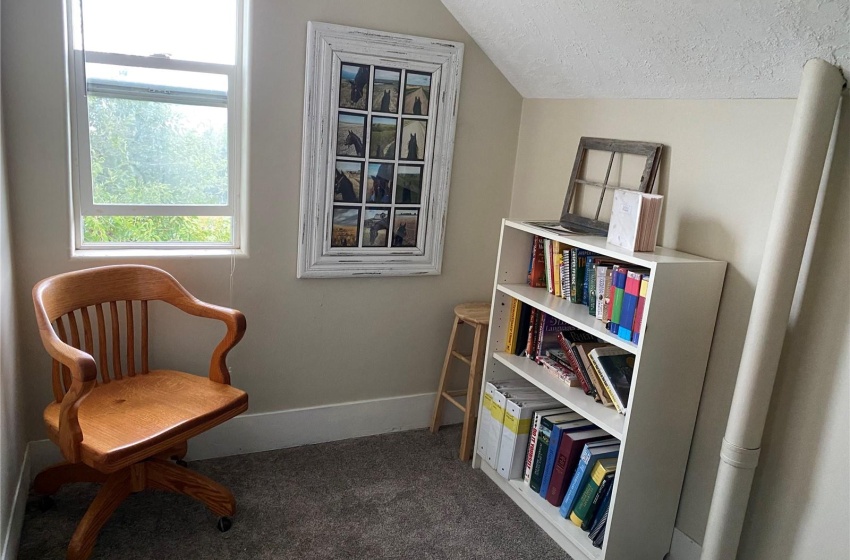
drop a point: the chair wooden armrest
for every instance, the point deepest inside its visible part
(234, 321)
(83, 379)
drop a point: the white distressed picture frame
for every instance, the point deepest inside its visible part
(328, 48)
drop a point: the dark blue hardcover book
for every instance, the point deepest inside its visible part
(552, 453)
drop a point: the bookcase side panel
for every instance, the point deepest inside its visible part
(679, 326)
(514, 248)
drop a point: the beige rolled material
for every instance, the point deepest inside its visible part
(802, 170)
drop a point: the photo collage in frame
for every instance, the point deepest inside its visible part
(382, 118)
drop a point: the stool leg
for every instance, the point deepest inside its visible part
(475, 372)
(438, 403)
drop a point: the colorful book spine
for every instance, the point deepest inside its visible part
(557, 261)
(592, 452)
(532, 442)
(547, 263)
(537, 276)
(541, 451)
(590, 282)
(599, 273)
(513, 324)
(644, 288)
(532, 331)
(569, 450)
(606, 302)
(618, 285)
(565, 280)
(600, 470)
(631, 294)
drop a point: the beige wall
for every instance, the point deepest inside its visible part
(719, 175)
(309, 342)
(12, 440)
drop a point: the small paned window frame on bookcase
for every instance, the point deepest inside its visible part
(594, 226)
(379, 124)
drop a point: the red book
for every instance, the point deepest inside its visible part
(569, 452)
(532, 331)
(537, 276)
(644, 287)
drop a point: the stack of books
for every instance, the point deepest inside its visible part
(576, 357)
(634, 220)
(566, 459)
(614, 292)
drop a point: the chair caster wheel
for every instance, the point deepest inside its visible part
(182, 463)
(46, 503)
(224, 524)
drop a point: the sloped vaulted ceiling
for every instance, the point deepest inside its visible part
(657, 48)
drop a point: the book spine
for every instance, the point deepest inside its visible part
(581, 278)
(522, 328)
(565, 281)
(619, 284)
(538, 272)
(494, 434)
(644, 288)
(600, 512)
(606, 304)
(532, 444)
(579, 513)
(547, 263)
(573, 268)
(590, 281)
(556, 269)
(631, 294)
(557, 486)
(513, 322)
(532, 329)
(551, 455)
(540, 453)
(599, 271)
(578, 477)
(598, 499)
(606, 383)
(583, 378)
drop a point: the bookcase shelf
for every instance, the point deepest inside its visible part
(605, 417)
(670, 360)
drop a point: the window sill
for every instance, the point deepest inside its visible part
(186, 253)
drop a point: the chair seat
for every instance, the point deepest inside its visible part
(474, 313)
(128, 420)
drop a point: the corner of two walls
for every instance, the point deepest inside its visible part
(719, 176)
(309, 343)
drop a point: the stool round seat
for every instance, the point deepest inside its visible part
(474, 313)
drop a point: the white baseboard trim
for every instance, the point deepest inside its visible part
(684, 547)
(16, 517)
(266, 431)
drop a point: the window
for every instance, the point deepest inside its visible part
(156, 103)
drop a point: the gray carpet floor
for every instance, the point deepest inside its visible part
(399, 495)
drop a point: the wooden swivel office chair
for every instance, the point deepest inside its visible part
(122, 426)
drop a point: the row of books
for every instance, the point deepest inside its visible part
(526, 435)
(578, 358)
(614, 292)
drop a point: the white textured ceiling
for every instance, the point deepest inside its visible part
(658, 48)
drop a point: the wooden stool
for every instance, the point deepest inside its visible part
(476, 315)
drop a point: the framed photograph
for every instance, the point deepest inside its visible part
(379, 123)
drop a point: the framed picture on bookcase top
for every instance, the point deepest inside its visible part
(379, 125)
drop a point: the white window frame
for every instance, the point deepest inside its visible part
(237, 119)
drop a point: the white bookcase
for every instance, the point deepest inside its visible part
(655, 434)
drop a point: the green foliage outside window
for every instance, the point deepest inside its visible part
(145, 152)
